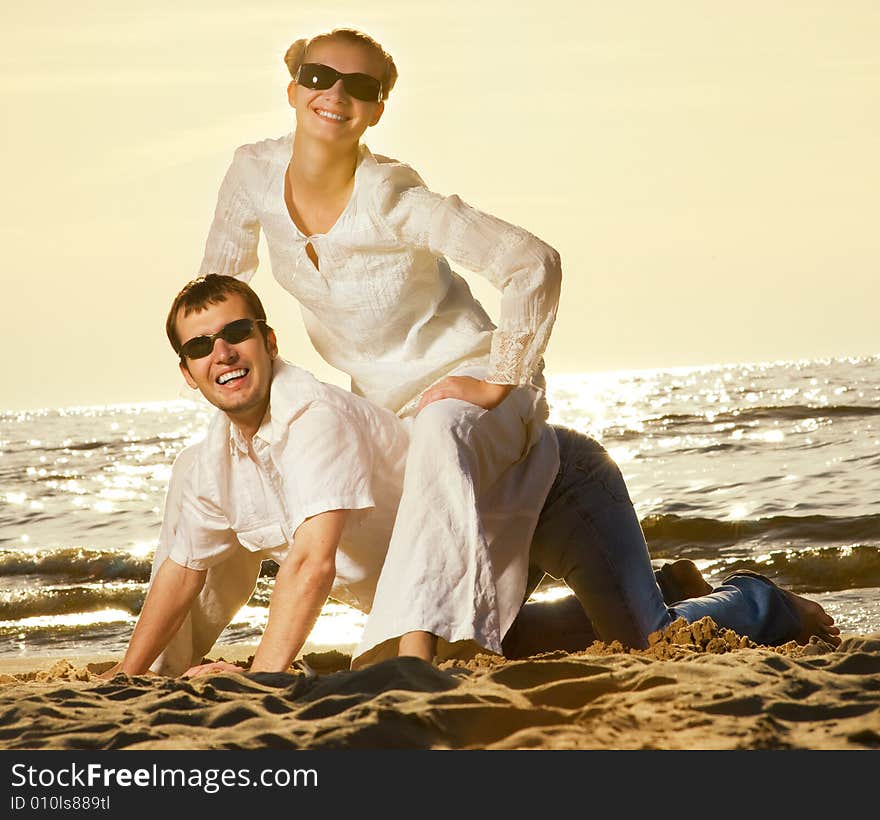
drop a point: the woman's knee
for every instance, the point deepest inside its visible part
(444, 425)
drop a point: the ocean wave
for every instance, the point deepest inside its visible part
(164, 440)
(76, 564)
(84, 564)
(790, 412)
(825, 569)
(73, 599)
(34, 638)
(668, 531)
(66, 600)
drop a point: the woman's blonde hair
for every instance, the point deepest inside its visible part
(296, 54)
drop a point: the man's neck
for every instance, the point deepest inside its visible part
(250, 421)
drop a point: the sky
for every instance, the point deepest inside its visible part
(709, 173)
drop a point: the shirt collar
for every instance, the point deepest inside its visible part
(238, 442)
(285, 402)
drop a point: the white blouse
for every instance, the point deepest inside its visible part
(384, 305)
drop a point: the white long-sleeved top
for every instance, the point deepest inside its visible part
(384, 305)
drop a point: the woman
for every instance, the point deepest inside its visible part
(363, 245)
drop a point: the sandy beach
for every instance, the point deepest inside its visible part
(695, 687)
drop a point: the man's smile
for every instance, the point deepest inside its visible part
(232, 375)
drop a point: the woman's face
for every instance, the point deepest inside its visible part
(333, 114)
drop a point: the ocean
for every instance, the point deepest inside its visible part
(773, 467)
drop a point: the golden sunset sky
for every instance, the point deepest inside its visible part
(709, 172)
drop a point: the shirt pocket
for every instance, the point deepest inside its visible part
(264, 537)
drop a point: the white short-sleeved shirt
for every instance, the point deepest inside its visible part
(319, 448)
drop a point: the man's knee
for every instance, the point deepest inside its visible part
(582, 460)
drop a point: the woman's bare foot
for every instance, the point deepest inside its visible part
(814, 621)
(418, 644)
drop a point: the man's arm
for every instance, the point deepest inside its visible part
(302, 584)
(171, 595)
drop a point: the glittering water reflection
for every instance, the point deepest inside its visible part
(338, 626)
(673, 430)
(104, 616)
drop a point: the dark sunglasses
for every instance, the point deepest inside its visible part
(200, 346)
(321, 77)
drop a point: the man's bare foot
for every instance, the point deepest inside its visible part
(681, 580)
(814, 620)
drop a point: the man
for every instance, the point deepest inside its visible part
(310, 475)
(288, 470)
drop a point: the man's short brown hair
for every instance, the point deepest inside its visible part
(196, 295)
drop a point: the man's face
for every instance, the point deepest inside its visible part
(236, 378)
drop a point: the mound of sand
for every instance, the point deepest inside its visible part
(695, 687)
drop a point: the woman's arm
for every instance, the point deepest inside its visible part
(526, 270)
(231, 246)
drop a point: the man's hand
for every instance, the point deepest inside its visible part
(117, 669)
(476, 391)
(214, 668)
(111, 672)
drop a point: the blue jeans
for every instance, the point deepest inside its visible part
(589, 536)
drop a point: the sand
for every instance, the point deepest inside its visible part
(696, 687)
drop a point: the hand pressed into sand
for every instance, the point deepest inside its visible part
(213, 668)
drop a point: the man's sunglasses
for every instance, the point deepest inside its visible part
(200, 346)
(321, 77)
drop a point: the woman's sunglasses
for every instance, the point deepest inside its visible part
(321, 77)
(200, 346)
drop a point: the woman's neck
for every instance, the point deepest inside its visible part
(319, 168)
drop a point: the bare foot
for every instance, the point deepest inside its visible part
(681, 580)
(815, 621)
(418, 644)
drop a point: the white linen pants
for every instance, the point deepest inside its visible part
(457, 562)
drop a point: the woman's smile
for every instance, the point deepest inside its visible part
(327, 114)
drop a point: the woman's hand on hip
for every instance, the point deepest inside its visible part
(475, 391)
